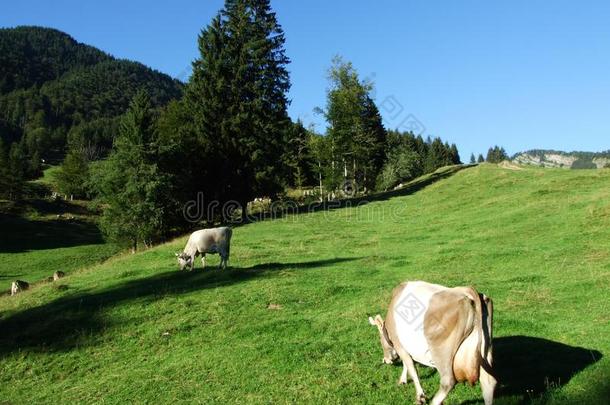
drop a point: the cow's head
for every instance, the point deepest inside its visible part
(389, 354)
(184, 260)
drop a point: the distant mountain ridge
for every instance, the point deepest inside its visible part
(53, 88)
(568, 160)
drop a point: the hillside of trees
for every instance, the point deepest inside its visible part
(145, 147)
(53, 88)
(555, 158)
(576, 154)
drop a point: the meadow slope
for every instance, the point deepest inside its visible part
(288, 321)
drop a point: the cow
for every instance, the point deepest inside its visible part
(58, 274)
(18, 286)
(449, 329)
(213, 240)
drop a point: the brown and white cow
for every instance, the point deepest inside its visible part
(449, 329)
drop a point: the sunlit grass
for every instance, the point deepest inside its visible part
(288, 321)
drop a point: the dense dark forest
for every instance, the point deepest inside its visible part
(143, 145)
(53, 88)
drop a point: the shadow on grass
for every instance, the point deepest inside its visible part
(20, 234)
(528, 367)
(76, 320)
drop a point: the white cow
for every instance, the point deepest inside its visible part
(449, 329)
(213, 240)
(18, 286)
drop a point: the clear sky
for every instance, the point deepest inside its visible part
(522, 74)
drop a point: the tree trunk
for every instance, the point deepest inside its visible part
(244, 212)
(134, 246)
(320, 178)
(364, 181)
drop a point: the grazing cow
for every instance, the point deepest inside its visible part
(58, 274)
(18, 286)
(449, 329)
(213, 240)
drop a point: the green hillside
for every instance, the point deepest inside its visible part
(288, 321)
(53, 87)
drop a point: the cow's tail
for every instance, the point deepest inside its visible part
(485, 330)
(487, 377)
(483, 347)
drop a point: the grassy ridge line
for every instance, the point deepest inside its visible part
(136, 329)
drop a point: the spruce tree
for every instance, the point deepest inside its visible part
(472, 159)
(298, 156)
(455, 156)
(436, 157)
(5, 177)
(73, 176)
(480, 159)
(131, 184)
(496, 154)
(237, 95)
(17, 168)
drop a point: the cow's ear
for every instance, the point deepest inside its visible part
(378, 321)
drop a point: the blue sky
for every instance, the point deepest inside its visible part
(522, 74)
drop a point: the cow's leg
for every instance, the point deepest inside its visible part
(223, 260)
(193, 257)
(403, 377)
(203, 260)
(408, 366)
(447, 383)
(488, 385)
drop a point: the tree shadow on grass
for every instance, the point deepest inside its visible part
(528, 367)
(20, 234)
(75, 320)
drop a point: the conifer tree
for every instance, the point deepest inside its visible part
(298, 156)
(73, 176)
(472, 159)
(455, 156)
(16, 168)
(131, 184)
(496, 155)
(5, 175)
(237, 95)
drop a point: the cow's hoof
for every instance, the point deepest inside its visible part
(421, 399)
(402, 382)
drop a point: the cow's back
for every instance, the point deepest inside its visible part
(406, 317)
(210, 239)
(452, 330)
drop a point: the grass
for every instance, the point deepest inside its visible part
(288, 321)
(40, 237)
(49, 175)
